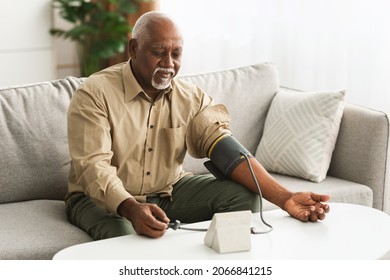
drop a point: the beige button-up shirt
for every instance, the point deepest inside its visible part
(123, 143)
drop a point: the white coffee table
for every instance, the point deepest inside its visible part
(351, 232)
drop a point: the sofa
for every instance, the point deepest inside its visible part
(34, 162)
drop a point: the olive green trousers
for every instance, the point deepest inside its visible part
(195, 198)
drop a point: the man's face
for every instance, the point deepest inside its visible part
(157, 60)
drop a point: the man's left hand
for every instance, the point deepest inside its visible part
(307, 206)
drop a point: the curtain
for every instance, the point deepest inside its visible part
(316, 44)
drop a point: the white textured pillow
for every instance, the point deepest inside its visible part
(300, 133)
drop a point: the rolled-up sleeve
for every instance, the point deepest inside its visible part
(205, 128)
(90, 149)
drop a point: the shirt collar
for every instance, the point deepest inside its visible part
(132, 87)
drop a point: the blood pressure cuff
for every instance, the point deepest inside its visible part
(225, 155)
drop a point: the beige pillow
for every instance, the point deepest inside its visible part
(300, 133)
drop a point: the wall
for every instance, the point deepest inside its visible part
(26, 46)
(65, 51)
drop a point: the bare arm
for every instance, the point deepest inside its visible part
(304, 206)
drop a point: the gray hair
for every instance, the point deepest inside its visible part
(140, 29)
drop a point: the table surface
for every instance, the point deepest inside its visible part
(349, 231)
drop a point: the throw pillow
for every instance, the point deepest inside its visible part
(300, 133)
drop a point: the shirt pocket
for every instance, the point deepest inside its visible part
(172, 145)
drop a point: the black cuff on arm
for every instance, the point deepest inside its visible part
(225, 154)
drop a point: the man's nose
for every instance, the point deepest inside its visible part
(167, 62)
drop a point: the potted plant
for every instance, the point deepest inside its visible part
(99, 28)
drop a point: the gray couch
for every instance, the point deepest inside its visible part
(34, 160)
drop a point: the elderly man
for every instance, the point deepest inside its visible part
(129, 128)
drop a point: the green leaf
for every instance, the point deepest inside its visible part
(56, 32)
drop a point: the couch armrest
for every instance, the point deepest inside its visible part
(361, 152)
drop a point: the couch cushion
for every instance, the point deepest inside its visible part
(34, 160)
(340, 190)
(247, 93)
(36, 230)
(300, 133)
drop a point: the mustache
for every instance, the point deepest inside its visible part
(166, 70)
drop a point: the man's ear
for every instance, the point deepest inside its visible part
(133, 45)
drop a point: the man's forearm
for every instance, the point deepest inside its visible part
(271, 190)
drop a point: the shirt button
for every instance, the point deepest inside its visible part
(150, 149)
(151, 126)
(148, 173)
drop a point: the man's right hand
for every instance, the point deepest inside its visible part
(147, 219)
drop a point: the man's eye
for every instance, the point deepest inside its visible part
(158, 53)
(176, 55)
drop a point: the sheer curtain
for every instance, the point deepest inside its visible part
(316, 44)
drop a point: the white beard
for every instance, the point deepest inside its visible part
(164, 82)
